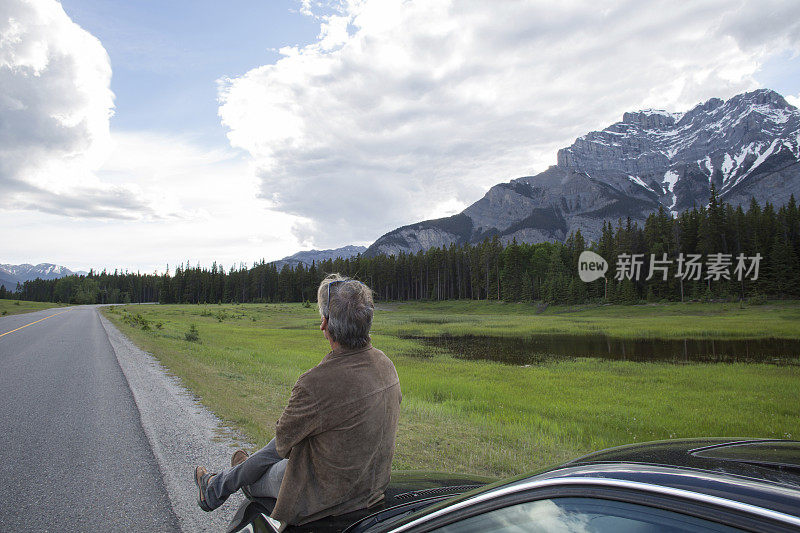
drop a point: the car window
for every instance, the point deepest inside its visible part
(582, 515)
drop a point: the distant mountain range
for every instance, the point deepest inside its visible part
(747, 146)
(10, 275)
(315, 256)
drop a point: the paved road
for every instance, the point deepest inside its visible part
(73, 454)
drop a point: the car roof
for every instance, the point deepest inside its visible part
(774, 460)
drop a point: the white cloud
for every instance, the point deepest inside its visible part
(448, 208)
(54, 116)
(403, 106)
(207, 198)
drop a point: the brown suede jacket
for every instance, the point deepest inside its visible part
(338, 432)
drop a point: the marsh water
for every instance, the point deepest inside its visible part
(543, 348)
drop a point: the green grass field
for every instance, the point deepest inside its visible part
(17, 307)
(662, 321)
(483, 417)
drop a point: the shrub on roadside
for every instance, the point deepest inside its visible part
(193, 335)
(136, 321)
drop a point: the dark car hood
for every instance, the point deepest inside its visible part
(411, 484)
(408, 491)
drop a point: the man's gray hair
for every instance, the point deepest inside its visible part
(350, 310)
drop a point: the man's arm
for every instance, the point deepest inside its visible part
(298, 421)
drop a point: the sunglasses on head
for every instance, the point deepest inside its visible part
(328, 307)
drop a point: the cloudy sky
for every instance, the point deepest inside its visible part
(137, 134)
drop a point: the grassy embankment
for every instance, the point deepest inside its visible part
(17, 307)
(484, 417)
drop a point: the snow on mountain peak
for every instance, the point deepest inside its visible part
(724, 140)
(669, 181)
(13, 274)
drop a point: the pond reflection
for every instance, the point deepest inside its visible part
(542, 348)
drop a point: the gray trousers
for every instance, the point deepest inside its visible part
(262, 473)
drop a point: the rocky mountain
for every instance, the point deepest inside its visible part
(10, 275)
(315, 256)
(747, 146)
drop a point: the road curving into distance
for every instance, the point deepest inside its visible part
(76, 445)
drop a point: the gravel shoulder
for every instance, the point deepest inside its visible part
(181, 431)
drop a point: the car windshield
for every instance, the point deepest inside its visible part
(581, 515)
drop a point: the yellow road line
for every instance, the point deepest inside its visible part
(32, 323)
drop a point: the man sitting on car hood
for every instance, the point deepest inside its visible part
(334, 442)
